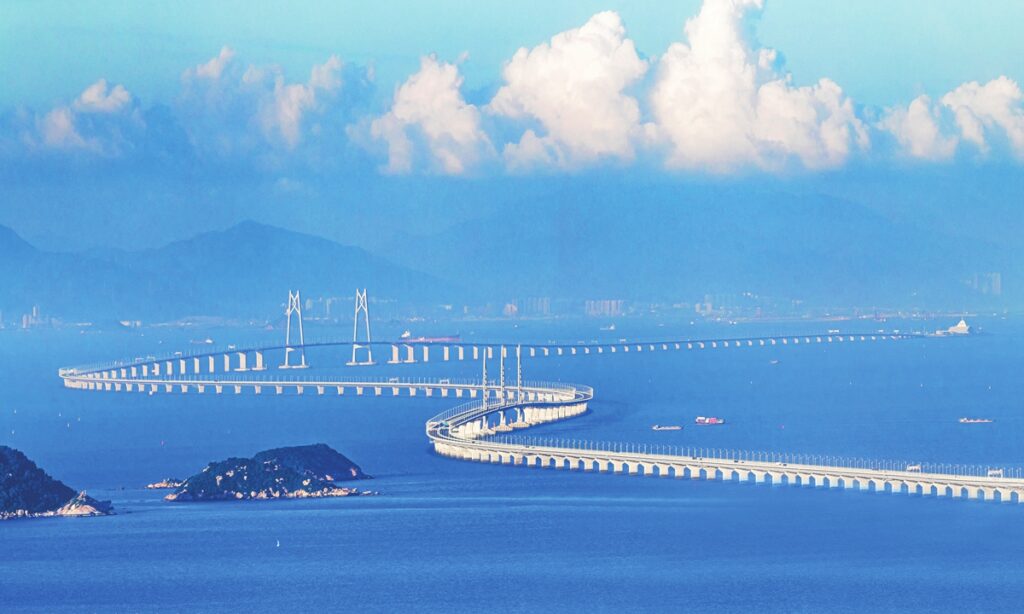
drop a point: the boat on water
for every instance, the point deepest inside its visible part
(405, 335)
(708, 420)
(666, 427)
(609, 327)
(206, 341)
(448, 339)
(773, 361)
(975, 421)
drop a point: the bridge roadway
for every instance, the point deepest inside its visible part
(479, 429)
(467, 433)
(232, 359)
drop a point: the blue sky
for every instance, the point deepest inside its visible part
(166, 119)
(880, 51)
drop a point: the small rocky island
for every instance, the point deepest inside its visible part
(26, 491)
(166, 484)
(282, 473)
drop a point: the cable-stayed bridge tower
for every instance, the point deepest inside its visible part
(294, 308)
(361, 308)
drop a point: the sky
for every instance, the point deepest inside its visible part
(127, 124)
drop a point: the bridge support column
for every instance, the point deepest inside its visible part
(259, 366)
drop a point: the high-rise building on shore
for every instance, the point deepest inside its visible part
(604, 307)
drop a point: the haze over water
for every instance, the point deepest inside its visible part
(465, 532)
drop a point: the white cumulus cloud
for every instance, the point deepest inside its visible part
(979, 109)
(100, 98)
(57, 130)
(917, 129)
(720, 103)
(281, 114)
(573, 87)
(221, 103)
(429, 111)
(214, 67)
(96, 121)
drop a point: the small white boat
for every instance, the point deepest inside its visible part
(666, 427)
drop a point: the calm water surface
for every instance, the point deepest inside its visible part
(455, 536)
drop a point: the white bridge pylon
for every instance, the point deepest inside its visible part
(361, 308)
(294, 308)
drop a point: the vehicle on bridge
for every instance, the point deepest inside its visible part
(667, 427)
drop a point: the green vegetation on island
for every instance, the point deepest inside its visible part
(293, 472)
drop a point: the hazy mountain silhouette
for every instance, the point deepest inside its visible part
(674, 245)
(244, 271)
(668, 245)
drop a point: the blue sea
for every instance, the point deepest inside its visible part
(453, 536)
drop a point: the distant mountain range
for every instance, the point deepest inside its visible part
(673, 245)
(244, 271)
(667, 245)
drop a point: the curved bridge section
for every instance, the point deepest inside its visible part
(482, 429)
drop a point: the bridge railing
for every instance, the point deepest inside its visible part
(204, 350)
(290, 379)
(754, 456)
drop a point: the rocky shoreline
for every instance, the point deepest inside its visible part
(300, 472)
(26, 491)
(266, 494)
(165, 484)
(79, 507)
